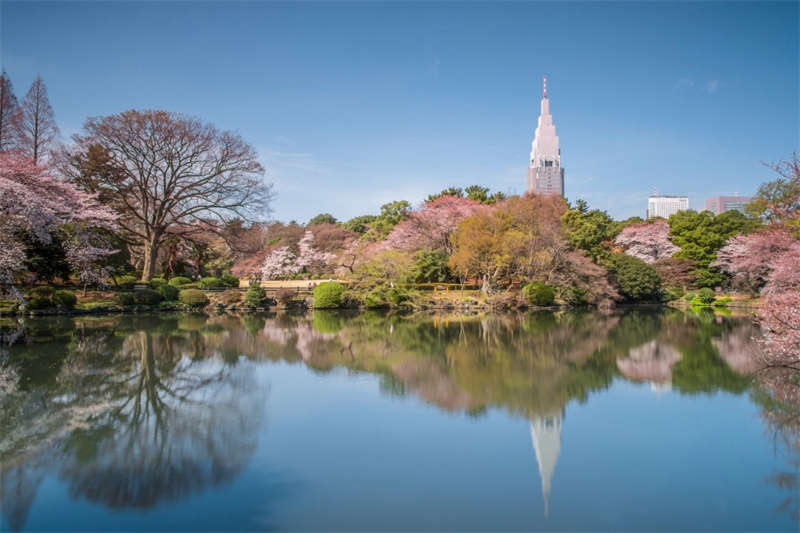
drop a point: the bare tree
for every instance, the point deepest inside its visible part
(169, 174)
(8, 110)
(34, 122)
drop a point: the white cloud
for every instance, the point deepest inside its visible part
(712, 86)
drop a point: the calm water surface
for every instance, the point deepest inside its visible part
(635, 420)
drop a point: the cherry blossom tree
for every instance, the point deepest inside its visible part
(279, 263)
(779, 317)
(35, 203)
(86, 255)
(769, 260)
(751, 259)
(310, 258)
(433, 225)
(648, 241)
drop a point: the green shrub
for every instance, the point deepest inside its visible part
(39, 303)
(179, 281)
(430, 266)
(375, 299)
(127, 282)
(382, 296)
(65, 299)
(230, 281)
(723, 302)
(540, 294)
(328, 295)
(193, 297)
(231, 296)
(41, 292)
(254, 295)
(637, 280)
(689, 296)
(706, 296)
(125, 298)
(168, 293)
(575, 296)
(396, 296)
(146, 297)
(157, 282)
(673, 293)
(211, 283)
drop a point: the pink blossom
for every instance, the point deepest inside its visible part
(648, 241)
(309, 257)
(780, 321)
(279, 263)
(751, 259)
(34, 201)
(432, 226)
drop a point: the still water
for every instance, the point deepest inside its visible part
(634, 420)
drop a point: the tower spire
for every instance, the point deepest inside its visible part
(544, 87)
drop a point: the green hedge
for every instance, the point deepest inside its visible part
(211, 283)
(146, 297)
(126, 282)
(125, 298)
(540, 294)
(328, 295)
(193, 297)
(65, 299)
(177, 281)
(168, 292)
(706, 296)
(41, 292)
(157, 282)
(637, 280)
(230, 281)
(39, 303)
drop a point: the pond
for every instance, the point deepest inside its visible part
(638, 419)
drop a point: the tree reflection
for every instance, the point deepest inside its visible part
(138, 413)
(779, 398)
(134, 411)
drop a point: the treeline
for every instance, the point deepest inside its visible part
(155, 194)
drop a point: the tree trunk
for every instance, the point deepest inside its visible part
(150, 257)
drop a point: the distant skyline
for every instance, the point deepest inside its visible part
(351, 105)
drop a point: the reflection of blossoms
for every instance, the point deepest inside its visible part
(651, 361)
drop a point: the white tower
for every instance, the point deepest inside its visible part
(545, 174)
(546, 437)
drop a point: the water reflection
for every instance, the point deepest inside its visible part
(131, 412)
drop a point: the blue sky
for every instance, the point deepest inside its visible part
(351, 105)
